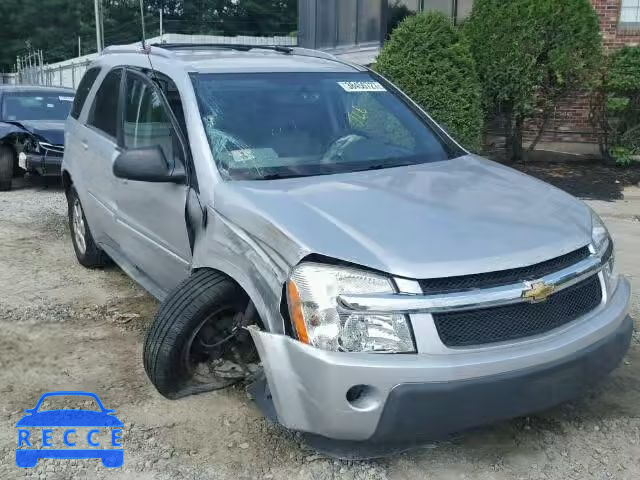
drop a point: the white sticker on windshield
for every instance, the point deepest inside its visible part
(66, 99)
(265, 157)
(242, 156)
(362, 87)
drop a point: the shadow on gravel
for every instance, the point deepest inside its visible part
(587, 179)
(37, 182)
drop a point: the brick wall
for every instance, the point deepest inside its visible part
(570, 122)
(613, 35)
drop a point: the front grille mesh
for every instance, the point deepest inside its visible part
(504, 277)
(509, 322)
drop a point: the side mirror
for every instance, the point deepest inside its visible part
(147, 164)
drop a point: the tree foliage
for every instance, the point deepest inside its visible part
(616, 108)
(428, 59)
(531, 53)
(54, 26)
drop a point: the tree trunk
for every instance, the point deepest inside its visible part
(546, 116)
(516, 139)
(508, 133)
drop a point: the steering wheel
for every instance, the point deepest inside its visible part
(339, 145)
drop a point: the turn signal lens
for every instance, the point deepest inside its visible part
(295, 311)
(312, 293)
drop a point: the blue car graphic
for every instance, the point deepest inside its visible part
(28, 458)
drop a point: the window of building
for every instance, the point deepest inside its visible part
(458, 9)
(630, 13)
(464, 8)
(444, 6)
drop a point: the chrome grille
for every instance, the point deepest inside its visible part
(504, 277)
(520, 320)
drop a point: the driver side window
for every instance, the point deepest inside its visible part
(146, 120)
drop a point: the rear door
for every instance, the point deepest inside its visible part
(150, 219)
(98, 146)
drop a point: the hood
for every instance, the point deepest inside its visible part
(50, 131)
(457, 217)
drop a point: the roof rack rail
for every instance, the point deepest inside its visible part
(228, 46)
(113, 49)
(168, 50)
(293, 50)
(308, 52)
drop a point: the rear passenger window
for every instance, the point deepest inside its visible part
(83, 90)
(104, 114)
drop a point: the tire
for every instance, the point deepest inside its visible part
(170, 339)
(7, 161)
(87, 252)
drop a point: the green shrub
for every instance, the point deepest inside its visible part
(530, 54)
(622, 84)
(428, 59)
(615, 106)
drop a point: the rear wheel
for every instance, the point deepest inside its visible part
(7, 161)
(197, 342)
(87, 252)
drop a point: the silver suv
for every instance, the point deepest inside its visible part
(309, 229)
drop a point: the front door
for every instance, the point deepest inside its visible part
(150, 217)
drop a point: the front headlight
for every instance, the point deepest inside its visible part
(600, 238)
(603, 246)
(312, 291)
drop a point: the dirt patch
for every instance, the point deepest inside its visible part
(66, 327)
(592, 180)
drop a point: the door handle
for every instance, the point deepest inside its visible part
(85, 145)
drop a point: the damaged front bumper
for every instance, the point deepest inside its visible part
(409, 398)
(42, 164)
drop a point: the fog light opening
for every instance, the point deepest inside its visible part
(363, 397)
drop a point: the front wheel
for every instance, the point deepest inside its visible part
(197, 342)
(87, 252)
(7, 161)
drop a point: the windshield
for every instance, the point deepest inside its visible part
(278, 125)
(36, 106)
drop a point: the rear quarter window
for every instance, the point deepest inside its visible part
(84, 88)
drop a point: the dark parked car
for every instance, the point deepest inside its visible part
(32, 130)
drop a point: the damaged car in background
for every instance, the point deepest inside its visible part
(309, 230)
(32, 130)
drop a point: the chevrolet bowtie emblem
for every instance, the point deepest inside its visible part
(537, 291)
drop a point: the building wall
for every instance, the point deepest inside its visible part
(570, 122)
(460, 9)
(614, 33)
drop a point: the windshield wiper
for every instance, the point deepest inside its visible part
(382, 166)
(278, 176)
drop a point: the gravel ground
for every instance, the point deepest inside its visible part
(65, 327)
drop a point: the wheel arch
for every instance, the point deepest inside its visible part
(267, 304)
(67, 182)
(9, 142)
